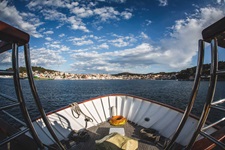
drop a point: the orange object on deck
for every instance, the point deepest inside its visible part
(117, 120)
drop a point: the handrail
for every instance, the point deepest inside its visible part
(213, 124)
(36, 97)
(218, 102)
(211, 91)
(19, 94)
(192, 97)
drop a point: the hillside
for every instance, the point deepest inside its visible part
(35, 68)
(185, 74)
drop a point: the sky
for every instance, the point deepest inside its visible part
(111, 36)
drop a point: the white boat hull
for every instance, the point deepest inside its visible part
(163, 118)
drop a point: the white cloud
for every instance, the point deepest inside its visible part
(77, 24)
(48, 39)
(122, 41)
(24, 21)
(119, 42)
(80, 43)
(46, 57)
(78, 11)
(57, 46)
(163, 2)
(64, 48)
(126, 15)
(39, 57)
(5, 60)
(72, 5)
(37, 4)
(48, 32)
(103, 46)
(184, 37)
(100, 47)
(115, 61)
(144, 36)
(175, 51)
(51, 14)
(106, 13)
(220, 1)
(82, 12)
(62, 35)
(148, 22)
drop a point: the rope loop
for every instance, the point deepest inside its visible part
(76, 109)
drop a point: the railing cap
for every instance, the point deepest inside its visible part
(9, 35)
(216, 30)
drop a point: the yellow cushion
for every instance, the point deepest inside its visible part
(116, 141)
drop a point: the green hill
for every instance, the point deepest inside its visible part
(35, 68)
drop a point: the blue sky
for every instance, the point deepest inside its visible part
(111, 36)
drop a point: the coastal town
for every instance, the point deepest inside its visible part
(56, 75)
(187, 74)
(122, 76)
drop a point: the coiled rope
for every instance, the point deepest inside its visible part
(76, 109)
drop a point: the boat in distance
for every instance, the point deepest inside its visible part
(116, 121)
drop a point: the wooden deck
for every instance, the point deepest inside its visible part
(95, 133)
(100, 131)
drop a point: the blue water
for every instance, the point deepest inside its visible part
(58, 93)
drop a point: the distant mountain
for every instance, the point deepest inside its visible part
(185, 74)
(182, 75)
(127, 74)
(34, 68)
(139, 74)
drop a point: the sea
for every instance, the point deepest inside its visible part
(55, 94)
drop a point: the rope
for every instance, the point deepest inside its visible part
(75, 108)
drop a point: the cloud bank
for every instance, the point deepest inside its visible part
(98, 52)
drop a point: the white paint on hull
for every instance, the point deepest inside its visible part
(148, 114)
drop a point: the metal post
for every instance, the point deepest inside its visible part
(36, 97)
(193, 94)
(19, 94)
(211, 91)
